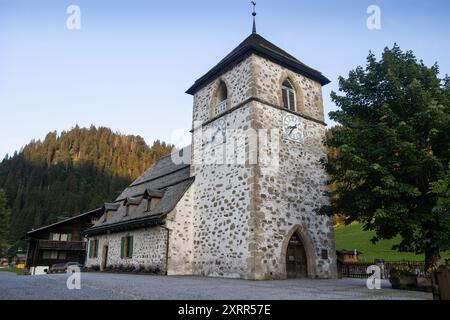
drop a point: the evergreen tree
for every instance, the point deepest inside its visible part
(391, 146)
(71, 173)
(5, 216)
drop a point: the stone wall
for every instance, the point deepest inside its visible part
(180, 222)
(268, 78)
(222, 209)
(245, 214)
(222, 199)
(239, 82)
(149, 249)
(286, 200)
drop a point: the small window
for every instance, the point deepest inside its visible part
(130, 209)
(62, 255)
(64, 237)
(108, 215)
(222, 97)
(289, 98)
(152, 203)
(223, 93)
(126, 247)
(55, 236)
(93, 248)
(50, 255)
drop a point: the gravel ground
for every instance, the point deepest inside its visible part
(97, 286)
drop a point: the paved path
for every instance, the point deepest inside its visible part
(97, 286)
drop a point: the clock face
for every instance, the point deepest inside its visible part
(293, 128)
(219, 132)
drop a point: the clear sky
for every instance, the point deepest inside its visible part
(129, 65)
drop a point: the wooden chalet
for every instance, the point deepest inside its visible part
(59, 242)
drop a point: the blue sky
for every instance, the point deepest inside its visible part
(131, 62)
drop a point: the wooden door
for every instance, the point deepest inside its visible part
(296, 266)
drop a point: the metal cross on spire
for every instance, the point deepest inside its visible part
(254, 16)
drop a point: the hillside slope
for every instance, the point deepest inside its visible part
(354, 237)
(70, 173)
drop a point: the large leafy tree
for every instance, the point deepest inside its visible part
(4, 223)
(391, 147)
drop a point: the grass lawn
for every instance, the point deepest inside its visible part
(353, 237)
(17, 271)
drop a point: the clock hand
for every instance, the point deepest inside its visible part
(214, 135)
(292, 129)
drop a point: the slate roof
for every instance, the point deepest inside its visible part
(258, 45)
(165, 180)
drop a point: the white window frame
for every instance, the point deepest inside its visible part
(288, 91)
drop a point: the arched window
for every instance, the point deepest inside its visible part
(221, 99)
(289, 98)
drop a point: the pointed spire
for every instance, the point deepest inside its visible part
(254, 16)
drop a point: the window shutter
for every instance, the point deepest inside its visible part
(292, 100)
(122, 245)
(96, 248)
(90, 249)
(285, 98)
(130, 247)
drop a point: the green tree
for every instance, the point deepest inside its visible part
(441, 189)
(392, 144)
(5, 216)
(69, 173)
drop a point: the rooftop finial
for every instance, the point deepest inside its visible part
(254, 16)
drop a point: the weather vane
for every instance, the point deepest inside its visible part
(254, 16)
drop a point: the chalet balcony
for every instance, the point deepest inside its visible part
(62, 245)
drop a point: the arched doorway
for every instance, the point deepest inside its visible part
(296, 261)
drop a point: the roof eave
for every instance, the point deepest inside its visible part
(228, 64)
(124, 225)
(26, 236)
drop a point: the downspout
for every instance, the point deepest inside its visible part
(167, 248)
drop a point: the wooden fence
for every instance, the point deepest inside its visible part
(359, 269)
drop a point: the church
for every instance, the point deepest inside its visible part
(245, 219)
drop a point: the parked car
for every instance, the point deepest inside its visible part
(64, 267)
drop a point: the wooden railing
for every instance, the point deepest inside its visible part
(62, 245)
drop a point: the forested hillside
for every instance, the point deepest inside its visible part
(70, 173)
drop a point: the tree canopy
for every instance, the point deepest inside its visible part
(390, 148)
(4, 223)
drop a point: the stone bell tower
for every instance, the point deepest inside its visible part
(253, 221)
